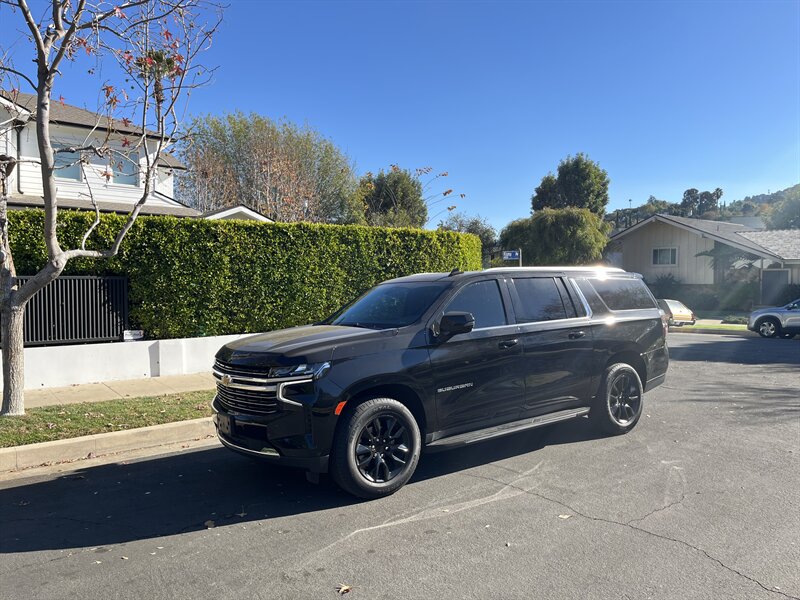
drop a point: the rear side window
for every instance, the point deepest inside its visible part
(483, 300)
(623, 294)
(592, 298)
(540, 300)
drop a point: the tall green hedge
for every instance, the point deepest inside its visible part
(193, 277)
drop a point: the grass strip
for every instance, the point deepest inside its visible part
(728, 327)
(65, 421)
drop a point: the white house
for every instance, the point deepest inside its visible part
(116, 184)
(670, 245)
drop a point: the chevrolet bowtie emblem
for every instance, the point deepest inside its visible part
(226, 380)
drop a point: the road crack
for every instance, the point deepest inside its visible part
(630, 525)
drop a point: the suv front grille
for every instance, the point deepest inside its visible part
(245, 389)
(248, 401)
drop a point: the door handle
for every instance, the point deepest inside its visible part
(575, 335)
(508, 343)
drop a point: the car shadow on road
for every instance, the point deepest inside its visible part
(123, 502)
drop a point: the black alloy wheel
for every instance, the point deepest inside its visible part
(624, 398)
(383, 448)
(618, 404)
(376, 448)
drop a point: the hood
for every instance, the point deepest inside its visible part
(310, 343)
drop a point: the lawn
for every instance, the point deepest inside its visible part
(73, 420)
(720, 326)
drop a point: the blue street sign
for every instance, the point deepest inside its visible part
(510, 254)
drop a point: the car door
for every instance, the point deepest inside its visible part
(477, 374)
(791, 317)
(556, 345)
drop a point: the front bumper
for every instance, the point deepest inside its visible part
(282, 439)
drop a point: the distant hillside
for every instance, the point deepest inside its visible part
(772, 198)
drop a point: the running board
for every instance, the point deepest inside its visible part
(481, 435)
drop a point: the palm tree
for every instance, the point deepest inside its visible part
(158, 65)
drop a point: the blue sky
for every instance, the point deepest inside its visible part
(665, 96)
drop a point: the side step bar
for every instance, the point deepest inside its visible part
(481, 435)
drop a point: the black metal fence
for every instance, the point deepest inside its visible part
(77, 309)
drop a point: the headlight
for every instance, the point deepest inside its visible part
(313, 370)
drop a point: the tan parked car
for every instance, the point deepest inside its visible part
(677, 313)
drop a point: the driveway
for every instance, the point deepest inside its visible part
(701, 500)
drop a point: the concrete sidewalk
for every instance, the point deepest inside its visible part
(113, 390)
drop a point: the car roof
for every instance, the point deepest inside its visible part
(455, 276)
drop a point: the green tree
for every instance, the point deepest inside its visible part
(392, 199)
(567, 236)
(786, 214)
(475, 225)
(579, 183)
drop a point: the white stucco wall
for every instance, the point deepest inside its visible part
(59, 366)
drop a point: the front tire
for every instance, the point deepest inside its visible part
(618, 404)
(769, 328)
(376, 449)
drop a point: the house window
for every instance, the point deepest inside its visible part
(665, 256)
(67, 165)
(126, 169)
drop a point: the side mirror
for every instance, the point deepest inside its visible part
(453, 323)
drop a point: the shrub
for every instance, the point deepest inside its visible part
(733, 320)
(194, 277)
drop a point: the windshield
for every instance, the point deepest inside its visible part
(389, 305)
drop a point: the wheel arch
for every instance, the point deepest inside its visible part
(633, 359)
(401, 392)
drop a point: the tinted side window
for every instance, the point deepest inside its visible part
(540, 299)
(483, 300)
(592, 299)
(623, 294)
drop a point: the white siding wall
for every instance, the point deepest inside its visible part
(637, 251)
(8, 142)
(31, 181)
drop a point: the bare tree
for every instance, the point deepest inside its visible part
(154, 46)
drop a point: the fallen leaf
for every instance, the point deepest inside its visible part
(508, 544)
(97, 562)
(124, 557)
(564, 516)
(343, 589)
(209, 524)
(159, 547)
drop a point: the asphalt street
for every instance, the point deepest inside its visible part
(701, 500)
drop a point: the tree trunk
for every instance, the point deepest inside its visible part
(13, 360)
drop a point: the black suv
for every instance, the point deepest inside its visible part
(441, 360)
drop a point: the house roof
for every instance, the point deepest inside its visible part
(67, 114)
(239, 211)
(19, 202)
(784, 243)
(720, 231)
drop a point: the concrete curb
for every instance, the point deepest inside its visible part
(90, 446)
(744, 333)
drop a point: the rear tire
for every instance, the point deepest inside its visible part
(376, 449)
(618, 405)
(769, 328)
